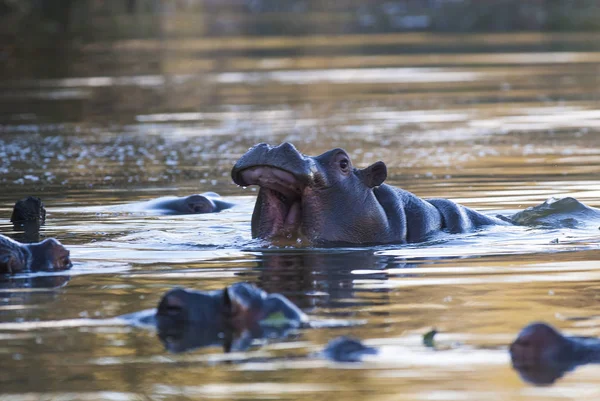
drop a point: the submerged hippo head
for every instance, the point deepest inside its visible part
(49, 255)
(28, 209)
(196, 204)
(238, 307)
(541, 354)
(320, 199)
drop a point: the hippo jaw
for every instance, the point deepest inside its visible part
(284, 175)
(278, 211)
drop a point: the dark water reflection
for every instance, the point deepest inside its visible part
(498, 122)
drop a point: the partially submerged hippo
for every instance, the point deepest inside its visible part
(30, 209)
(28, 216)
(48, 255)
(325, 200)
(347, 349)
(208, 202)
(541, 354)
(232, 317)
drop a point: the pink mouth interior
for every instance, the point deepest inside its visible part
(282, 202)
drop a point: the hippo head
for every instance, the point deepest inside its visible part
(321, 199)
(49, 255)
(541, 354)
(238, 307)
(197, 204)
(28, 209)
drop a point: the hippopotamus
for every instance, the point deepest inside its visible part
(541, 354)
(48, 255)
(28, 216)
(28, 209)
(207, 202)
(326, 200)
(347, 349)
(233, 316)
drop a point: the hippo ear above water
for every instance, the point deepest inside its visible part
(374, 175)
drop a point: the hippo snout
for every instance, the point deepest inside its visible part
(283, 157)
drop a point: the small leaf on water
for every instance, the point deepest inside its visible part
(428, 338)
(275, 319)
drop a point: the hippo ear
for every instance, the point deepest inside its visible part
(226, 300)
(374, 175)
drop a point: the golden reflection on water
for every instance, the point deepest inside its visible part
(494, 128)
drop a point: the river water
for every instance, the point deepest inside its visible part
(497, 122)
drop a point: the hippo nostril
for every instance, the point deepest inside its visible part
(173, 310)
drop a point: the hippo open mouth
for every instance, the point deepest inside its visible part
(280, 199)
(284, 176)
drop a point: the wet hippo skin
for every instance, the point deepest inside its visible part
(232, 317)
(48, 255)
(541, 354)
(208, 202)
(325, 200)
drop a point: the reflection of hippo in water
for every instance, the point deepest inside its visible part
(48, 255)
(541, 354)
(208, 202)
(332, 275)
(188, 319)
(324, 199)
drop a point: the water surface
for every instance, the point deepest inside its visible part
(496, 122)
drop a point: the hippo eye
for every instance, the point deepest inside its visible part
(344, 164)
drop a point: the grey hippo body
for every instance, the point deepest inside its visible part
(325, 200)
(207, 202)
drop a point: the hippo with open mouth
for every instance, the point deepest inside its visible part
(326, 200)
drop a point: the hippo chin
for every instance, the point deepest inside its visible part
(325, 200)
